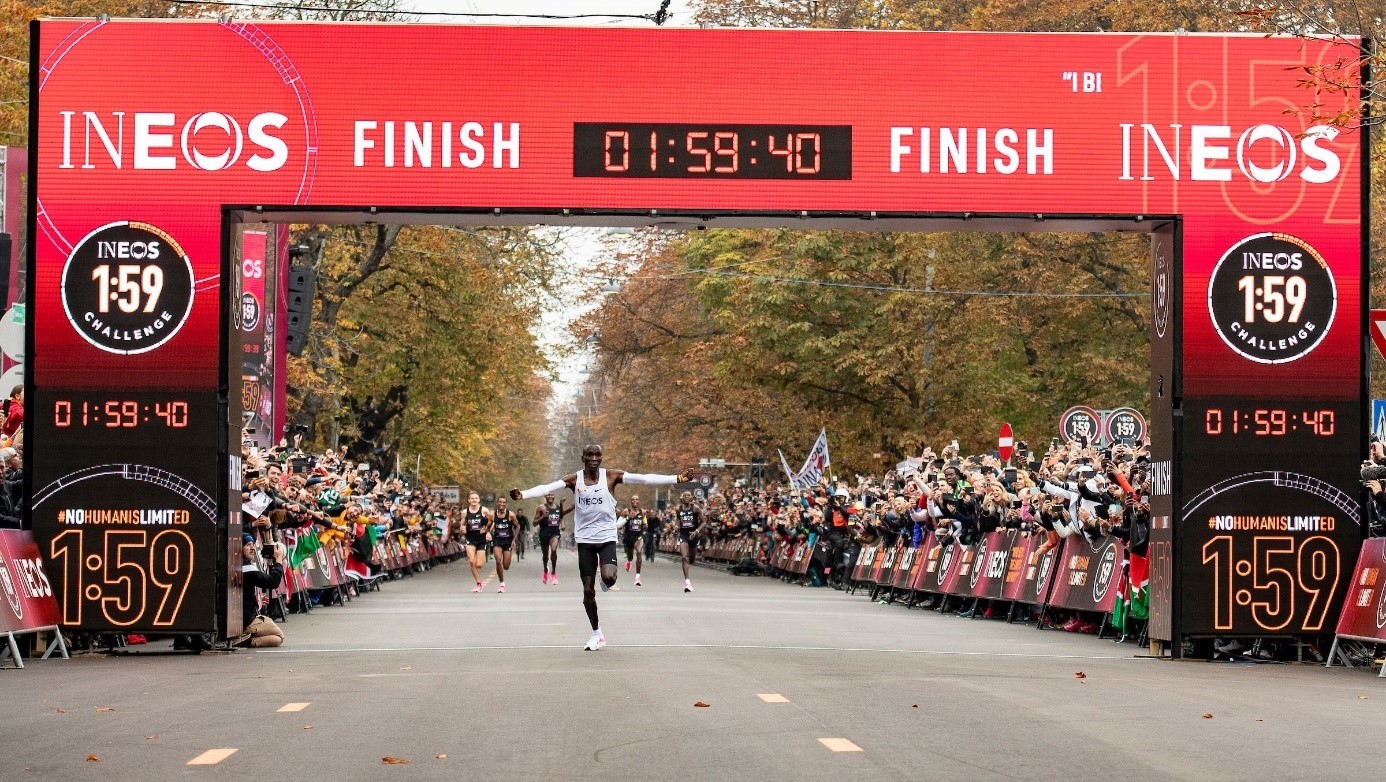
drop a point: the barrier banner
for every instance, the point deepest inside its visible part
(886, 576)
(1039, 571)
(941, 567)
(927, 554)
(1087, 574)
(803, 555)
(877, 565)
(904, 569)
(987, 576)
(29, 604)
(1364, 610)
(865, 555)
(1023, 545)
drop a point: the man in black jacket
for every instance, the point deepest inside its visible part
(252, 576)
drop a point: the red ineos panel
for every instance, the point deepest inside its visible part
(146, 130)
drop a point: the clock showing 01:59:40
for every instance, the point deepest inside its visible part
(119, 413)
(711, 151)
(1269, 422)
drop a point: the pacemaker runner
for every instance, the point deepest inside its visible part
(549, 518)
(594, 524)
(476, 525)
(633, 536)
(503, 530)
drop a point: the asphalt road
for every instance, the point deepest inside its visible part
(489, 686)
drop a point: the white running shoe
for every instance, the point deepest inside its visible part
(637, 579)
(687, 585)
(596, 642)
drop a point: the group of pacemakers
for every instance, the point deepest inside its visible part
(597, 526)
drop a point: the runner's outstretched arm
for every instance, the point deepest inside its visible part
(635, 478)
(540, 491)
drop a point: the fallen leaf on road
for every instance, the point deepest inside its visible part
(1258, 719)
(93, 759)
(1080, 675)
(150, 738)
(391, 760)
(700, 705)
(915, 706)
(57, 710)
(1207, 716)
(441, 757)
(104, 708)
(1364, 697)
(407, 668)
(307, 727)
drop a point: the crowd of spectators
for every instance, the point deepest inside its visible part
(295, 503)
(1068, 489)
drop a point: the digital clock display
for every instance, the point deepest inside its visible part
(1269, 422)
(119, 413)
(711, 151)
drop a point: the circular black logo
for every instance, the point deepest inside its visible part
(1159, 291)
(977, 564)
(127, 288)
(1080, 423)
(1272, 298)
(250, 312)
(1106, 568)
(1125, 425)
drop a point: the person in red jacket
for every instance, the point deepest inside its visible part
(14, 412)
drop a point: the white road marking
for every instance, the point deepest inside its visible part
(773, 697)
(292, 707)
(840, 745)
(212, 757)
(764, 647)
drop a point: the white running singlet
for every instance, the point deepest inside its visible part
(594, 515)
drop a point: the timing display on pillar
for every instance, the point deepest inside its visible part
(1272, 298)
(127, 288)
(130, 542)
(712, 151)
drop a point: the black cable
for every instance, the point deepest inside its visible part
(325, 9)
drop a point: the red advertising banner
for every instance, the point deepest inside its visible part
(1018, 565)
(1088, 574)
(865, 557)
(987, 576)
(28, 603)
(1364, 611)
(275, 336)
(904, 568)
(256, 398)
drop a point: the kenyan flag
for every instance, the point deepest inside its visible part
(1133, 601)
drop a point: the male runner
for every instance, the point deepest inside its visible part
(633, 536)
(522, 536)
(503, 529)
(594, 524)
(549, 517)
(687, 518)
(476, 526)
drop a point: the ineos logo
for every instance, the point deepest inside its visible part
(977, 563)
(1205, 147)
(208, 140)
(1042, 576)
(11, 594)
(1106, 567)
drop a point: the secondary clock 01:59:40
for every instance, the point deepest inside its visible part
(119, 413)
(711, 151)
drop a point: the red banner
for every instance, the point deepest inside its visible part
(904, 568)
(28, 603)
(865, 556)
(986, 577)
(1364, 610)
(1088, 574)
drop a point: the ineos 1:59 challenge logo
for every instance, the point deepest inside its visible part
(1272, 298)
(127, 288)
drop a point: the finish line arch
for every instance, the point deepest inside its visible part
(154, 140)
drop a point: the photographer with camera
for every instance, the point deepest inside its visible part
(1374, 480)
(260, 631)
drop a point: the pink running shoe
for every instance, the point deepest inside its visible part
(553, 580)
(637, 579)
(628, 566)
(501, 589)
(544, 577)
(478, 587)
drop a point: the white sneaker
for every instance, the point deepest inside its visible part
(596, 642)
(687, 585)
(637, 579)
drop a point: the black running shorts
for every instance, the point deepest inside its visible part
(592, 554)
